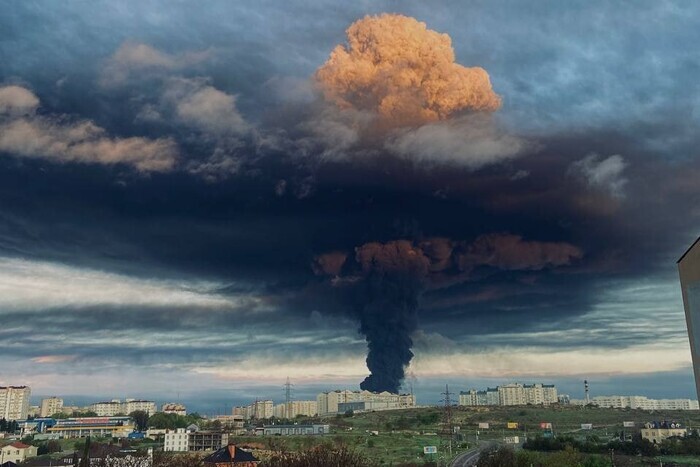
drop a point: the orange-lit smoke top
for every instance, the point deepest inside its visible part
(404, 72)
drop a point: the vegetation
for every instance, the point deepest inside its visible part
(140, 418)
(171, 421)
(8, 426)
(320, 456)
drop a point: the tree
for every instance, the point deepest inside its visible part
(140, 418)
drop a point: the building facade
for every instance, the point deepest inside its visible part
(117, 407)
(258, 410)
(17, 452)
(182, 439)
(689, 271)
(640, 402)
(114, 427)
(294, 408)
(511, 394)
(14, 402)
(329, 402)
(291, 430)
(51, 406)
(659, 431)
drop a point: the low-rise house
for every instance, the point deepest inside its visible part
(659, 431)
(17, 452)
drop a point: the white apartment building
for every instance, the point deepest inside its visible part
(177, 440)
(640, 402)
(51, 406)
(511, 394)
(258, 410)
(14, 402)
(328, 402)
(172, 407)
(116, 407)
(191, 440)
(294, 408)
(132, 405)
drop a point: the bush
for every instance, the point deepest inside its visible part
(321, 456)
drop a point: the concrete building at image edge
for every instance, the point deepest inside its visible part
(689, 271)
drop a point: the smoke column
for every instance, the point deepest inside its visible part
(387, 305)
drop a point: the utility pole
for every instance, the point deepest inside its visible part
(448, 428)
(287, 398)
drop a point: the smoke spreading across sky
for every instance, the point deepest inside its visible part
(448, 191)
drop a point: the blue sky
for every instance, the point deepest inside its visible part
(171, 175)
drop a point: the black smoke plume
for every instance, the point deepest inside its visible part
(385, 281)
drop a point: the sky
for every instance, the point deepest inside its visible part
(199, 202)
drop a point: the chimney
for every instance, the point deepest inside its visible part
(232, 451)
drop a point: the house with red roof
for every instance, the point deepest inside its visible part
(17, 452)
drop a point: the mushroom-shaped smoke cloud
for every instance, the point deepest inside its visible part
(406, 73)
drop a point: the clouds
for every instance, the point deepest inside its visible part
(16, 100)
(133, 58)
(604, 174)
(404, 72)
(37, 285)
(522, 217)
(58, 138)
(205, 107)
(470, 142)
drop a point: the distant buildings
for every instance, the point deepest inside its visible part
(639, 402)
(338, 401)
(172, 407)
(117, 407)
(17, 452)
(511, 394)
(258, 410)
(291, 430)
(689, 271)
(14, 402)
(51, 406)
(294, 408)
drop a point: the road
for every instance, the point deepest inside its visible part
(467, 459)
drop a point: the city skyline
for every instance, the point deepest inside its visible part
(207, 201)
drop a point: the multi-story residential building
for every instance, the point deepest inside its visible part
(294, 408)
(258, 410)
(191, 440)
(107, 409)
(172, 407)
(51, 406)
(117, 407)
(14, 402)
(689, 271)
(511, 394)
(330, 402)
(540, 394)
(132, 405)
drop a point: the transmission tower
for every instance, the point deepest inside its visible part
(288, 398)
(447, 424)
